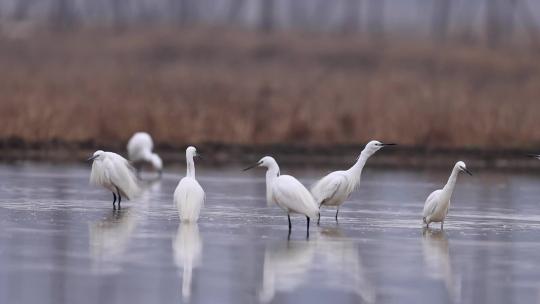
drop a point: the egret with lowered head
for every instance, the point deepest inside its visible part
(286, 192)
(438, 202)
(189, 195)
(335, 188)
(113, 172)
(139, 149)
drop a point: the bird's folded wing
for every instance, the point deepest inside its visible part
(291, 193)
(431, 203)
(327, 187)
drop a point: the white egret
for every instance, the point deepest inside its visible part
(438, 202)
(286, 191)
(113, 172)
(335, 188)
(139, 149)
(189, 195)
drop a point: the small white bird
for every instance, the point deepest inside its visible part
(438, 202)
(139, 148)
(189, 195)
(335, 188)
(286, 191)
(114, 172)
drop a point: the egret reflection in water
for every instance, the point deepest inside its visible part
(340, 264)
(329, 254)
(436, 253)
(109, 238)
(187, 248)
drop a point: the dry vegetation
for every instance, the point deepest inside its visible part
(93, 88)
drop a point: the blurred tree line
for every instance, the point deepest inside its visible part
(493, 22)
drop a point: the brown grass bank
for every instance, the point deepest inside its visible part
(93, 88)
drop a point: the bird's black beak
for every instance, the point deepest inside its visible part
(467, 171)
(252, 166)
(92, 158)
(384, 145)
(533, 155)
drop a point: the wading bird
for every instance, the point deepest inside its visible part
(189, 195)
(438, 202)
(286, 191)
(335, 188)
(113, 172)
(139, 149)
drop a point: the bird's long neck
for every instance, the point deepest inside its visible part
(271, 175)
(190, 168)
(355, 171)
(449, 187)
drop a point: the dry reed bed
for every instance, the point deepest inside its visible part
(205, 85)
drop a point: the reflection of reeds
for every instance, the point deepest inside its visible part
(208, 86)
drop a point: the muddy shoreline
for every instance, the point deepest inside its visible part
(298, 155)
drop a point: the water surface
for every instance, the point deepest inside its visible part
(61, 242)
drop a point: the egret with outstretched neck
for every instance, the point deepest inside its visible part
(335, 188)
(286, 192)
(189, 195)
(438, 202)
(113, 172)
(139, 148)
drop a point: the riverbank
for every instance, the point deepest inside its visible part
(338, 156)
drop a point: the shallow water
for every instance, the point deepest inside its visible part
(61, 242)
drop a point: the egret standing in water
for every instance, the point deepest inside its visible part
(139, 149)
(286, 191)
(335, 188)
(113, 172)
(438, 202)
(189, 195)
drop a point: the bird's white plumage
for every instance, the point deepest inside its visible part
(140, 147)
(189, 199)
(438, 202)
(189, 195)
(335, 188)
(436, 207)
(112, 171)
(289, 194)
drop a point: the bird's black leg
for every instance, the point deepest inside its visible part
(114, 201)
(319, 219)
(307, 232)
(119, 198)
(290, 225)
(337, 213)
